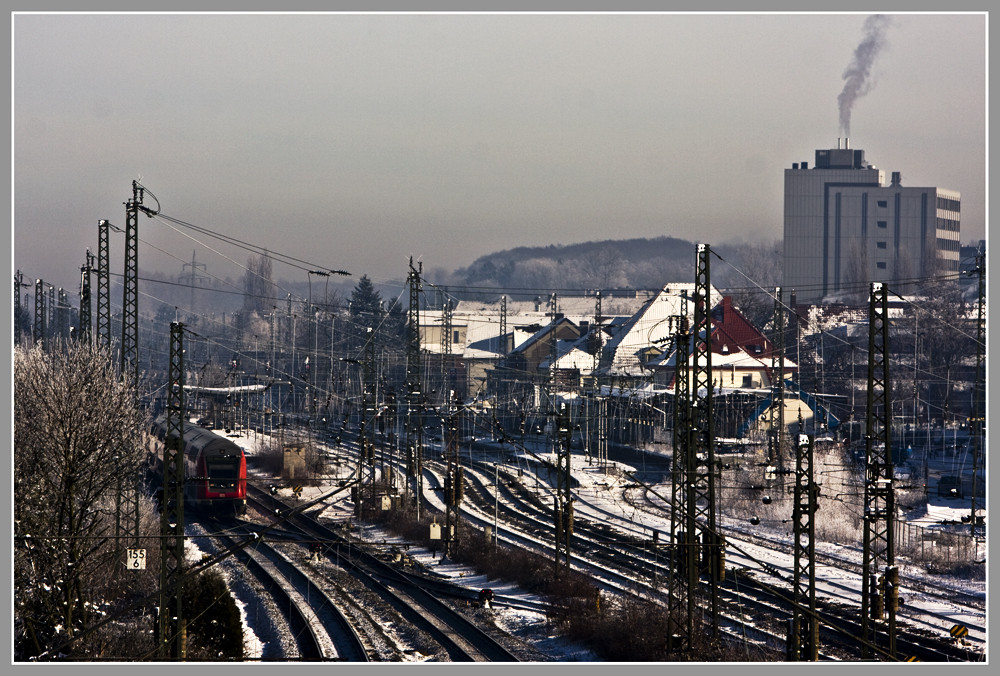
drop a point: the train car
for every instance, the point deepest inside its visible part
(215, 469)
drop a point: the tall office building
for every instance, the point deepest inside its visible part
(845, 227)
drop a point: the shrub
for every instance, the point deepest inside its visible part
(214, 627)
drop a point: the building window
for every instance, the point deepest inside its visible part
(880, 245)
(882, 224)
(455, 338)
(949, 204)
(880, 265)
(882, 204)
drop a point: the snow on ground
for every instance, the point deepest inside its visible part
(526, 625)
(601, 489)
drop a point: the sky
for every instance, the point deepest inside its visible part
(356, 141)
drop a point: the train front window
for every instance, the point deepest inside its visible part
(221, 471)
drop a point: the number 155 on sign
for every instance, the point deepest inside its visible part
(135, 559)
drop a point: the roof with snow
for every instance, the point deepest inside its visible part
(652, 325)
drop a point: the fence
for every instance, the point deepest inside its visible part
(945, 547)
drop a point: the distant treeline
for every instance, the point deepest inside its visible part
(641, 263)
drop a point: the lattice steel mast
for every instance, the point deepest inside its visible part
(803, 644)
(978, 417)
(18, 284)
(130, 286)
(777, 417)
(368, 412)
(563, 498)
(503, 326)
(701, 453)
(85, 335)
(171, 619)
(446, 346)
(39, 329)
(880, 505)
(453, 480)
(414, 389)
(103, 327)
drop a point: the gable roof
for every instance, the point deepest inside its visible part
(651, 325)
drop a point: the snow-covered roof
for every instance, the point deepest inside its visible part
(738, 359)
(651, 326)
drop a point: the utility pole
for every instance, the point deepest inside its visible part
(85, 319)
(414, 388)
(39, 325)
(550, 384)
(684, 551)
(803, 642)
(194, 277)
(598, 333)
(503, 326)
(314, 317)
(878, 600)
(62, 314)
(103, 292)
(52, 323)
(978, 417)
(171, 619)
(446, 328)
(701, 453)
(368, 410)
(563, 497)
(130, 286)
(453, 480)
(127, 481)
(777, 417)
(18, 284)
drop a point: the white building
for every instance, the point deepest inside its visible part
(844, 228)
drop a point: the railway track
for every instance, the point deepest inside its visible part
(614, 548)
(922, 623)
(319, 631)
(460, 638)
(742, 592)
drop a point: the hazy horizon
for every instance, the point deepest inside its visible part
(355, 141)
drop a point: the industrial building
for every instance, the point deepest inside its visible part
(845, 227)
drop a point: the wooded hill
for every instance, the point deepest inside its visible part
(640, 263)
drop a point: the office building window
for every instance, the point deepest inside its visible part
(880, 245)
(882, 224)
(882, 204)
(880, 265)
(949, 204)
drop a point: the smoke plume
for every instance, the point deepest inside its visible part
(856, 76)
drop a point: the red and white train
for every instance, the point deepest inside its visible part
(215, 469)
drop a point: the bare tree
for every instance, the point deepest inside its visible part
(761, 263)
(258, 288)
(857, 276)
(75, 422)
(605, 268)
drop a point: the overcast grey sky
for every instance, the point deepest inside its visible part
(357, 141)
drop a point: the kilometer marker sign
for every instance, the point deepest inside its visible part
(135, 559)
